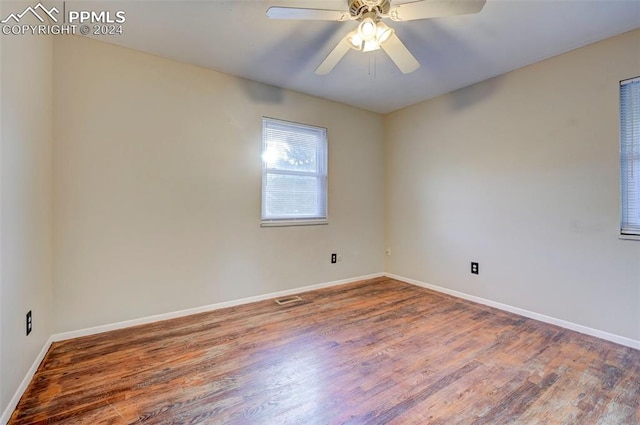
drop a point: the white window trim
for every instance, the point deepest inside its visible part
(287, 222)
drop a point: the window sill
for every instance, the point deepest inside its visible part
(288, 223)
(629, 237)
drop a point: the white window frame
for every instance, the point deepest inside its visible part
(630, 158)
(321, 174)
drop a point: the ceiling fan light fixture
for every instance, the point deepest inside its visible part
(383, 33)
(370, 45)
(355, 42)
(367, 29)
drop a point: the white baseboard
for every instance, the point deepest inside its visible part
(628, 342)
(8, 411)
(203, 309)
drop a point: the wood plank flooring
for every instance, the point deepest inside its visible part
(372, 352)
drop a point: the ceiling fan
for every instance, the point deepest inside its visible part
(372, 33)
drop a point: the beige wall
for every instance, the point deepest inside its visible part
(25, 204)
(157, 176)
(520, 173)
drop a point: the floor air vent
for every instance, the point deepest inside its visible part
(289, 300)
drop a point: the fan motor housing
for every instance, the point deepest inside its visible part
(357, 7)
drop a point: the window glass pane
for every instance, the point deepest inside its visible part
(291, 196)
(285, 154)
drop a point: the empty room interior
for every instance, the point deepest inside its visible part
(320, 212)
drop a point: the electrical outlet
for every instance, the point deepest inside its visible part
(474, 268)
(339, 258)
(388, 252)
(334, 258)
(29, 322)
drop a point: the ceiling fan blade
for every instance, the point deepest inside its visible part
(334, 57)
(434, 9)
(307, 14)
(400, 55)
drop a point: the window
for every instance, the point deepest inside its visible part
(294, 173)
(630, 156)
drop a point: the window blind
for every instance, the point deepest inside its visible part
(294, 177)
(630, 155)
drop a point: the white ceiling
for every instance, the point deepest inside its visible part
(236, 37)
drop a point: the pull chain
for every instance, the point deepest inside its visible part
(372, 65)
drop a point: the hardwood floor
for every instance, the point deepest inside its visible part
(373, 352)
